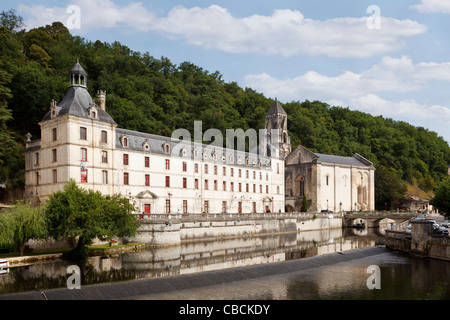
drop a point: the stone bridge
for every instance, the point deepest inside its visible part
(373, 219)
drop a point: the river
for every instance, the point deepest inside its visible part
(401, 277)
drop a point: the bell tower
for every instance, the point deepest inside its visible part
(276, 124)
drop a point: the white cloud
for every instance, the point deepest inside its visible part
(390, 75)
(93, 14)
(285, 32)
(406, 109)
(439, 6)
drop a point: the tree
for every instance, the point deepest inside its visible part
(77, 213)
(304, 204)
(11, 21)
(441, 198)
(21, 223)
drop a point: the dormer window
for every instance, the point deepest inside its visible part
(146, 146)
(166, 147)
(124, 141)
(93, 111)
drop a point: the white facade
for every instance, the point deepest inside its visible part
(332, 183)
(153, 171)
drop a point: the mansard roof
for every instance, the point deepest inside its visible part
(77, 101)
(276, 108)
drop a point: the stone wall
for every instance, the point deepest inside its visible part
(160, 232)
(421, 242)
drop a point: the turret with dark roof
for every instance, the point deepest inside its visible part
(77, 101)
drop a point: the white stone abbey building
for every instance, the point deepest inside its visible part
(80, 141)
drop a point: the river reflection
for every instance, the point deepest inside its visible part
(189, 258)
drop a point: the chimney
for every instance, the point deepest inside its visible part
(102, 99)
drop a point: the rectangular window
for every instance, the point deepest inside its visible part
(254, 188)
(147, 180)
(232, 172)
(215, 184)
(206, 184)
(185, 206)
(196, 168)
(206, 206)
(254, 207)
(167, 164)
(215, 169)
(36, 159)
(55, 176)
(184, 183)
(206, 168)
(167, 206)
(83, 154)
(37, 178)
(125, 159)
(105, 177)
(246, 174)
(54, 134)
(126, 179)
(232, 186)
(224, 206)
(240, 187)
(224, 186)
(224, 171)
(246, 187)
(278, 168)
(54, 155)
(167, 182)
(240, 173)
(104, 157)
(267, 189)
(147, 162)
(184, 166)
(104, 136)
(83, 133)
(260, 188)
(196, 184)
(254, 174)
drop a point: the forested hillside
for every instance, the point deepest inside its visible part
(153, 95)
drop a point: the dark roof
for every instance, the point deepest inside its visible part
(352, 161)
(78, 69)
(76, 103)
(276, 108)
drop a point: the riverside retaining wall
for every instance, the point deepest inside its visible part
(174, 229)
(420, 242)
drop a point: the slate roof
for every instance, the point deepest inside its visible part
(137, 140)
(351, 161)
(276, 108)
(77, 101)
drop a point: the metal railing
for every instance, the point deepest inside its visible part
(236, 216)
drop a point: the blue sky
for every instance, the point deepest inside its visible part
(382, 57)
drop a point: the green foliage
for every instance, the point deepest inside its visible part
(154, 95)
(21, 223)
(304, 204)
(441, 199)
(87, 214)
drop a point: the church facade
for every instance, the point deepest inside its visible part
(80, 141)
(331, 183)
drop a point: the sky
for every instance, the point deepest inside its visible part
(383, 57)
